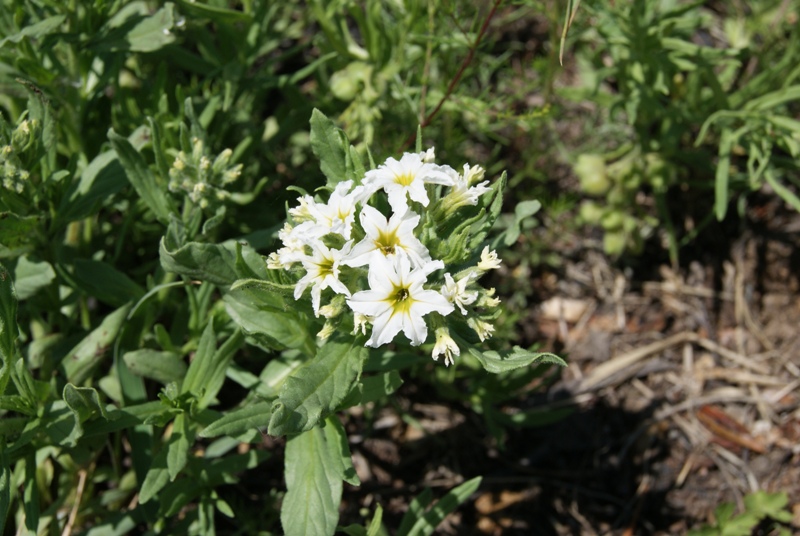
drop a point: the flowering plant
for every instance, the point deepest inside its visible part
(378, 260)
(379, 268)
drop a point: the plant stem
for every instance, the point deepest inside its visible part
(457, 78)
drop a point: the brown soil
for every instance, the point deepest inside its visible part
(684, 388)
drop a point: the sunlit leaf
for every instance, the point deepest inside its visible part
(316, 389)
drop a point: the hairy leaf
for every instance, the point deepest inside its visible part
(330, 145)
(315, 467)
(240, 420)
(506, 360)
(141, 177)
(317, 388)
(163, 367)
(81, 360)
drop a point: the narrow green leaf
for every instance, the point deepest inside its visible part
(99, 181)
(416, 509)
(206, 373)
(240, 420)
(106, 283)
(180, 442)
(427, 524)
(81, 360)
(313, 474)
(124, 418)
(317, 388)
(216, 14)
(16, 230)
(329, 145)
(723, 172)
(195, 375)
(35, 31)
(141, 177)
(157, 476)
(785, 193)
(162, 367)
(8, 324)
(5, 488)
(30, 494)
(496, 362)
(375, 525)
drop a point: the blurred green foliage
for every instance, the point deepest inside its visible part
(697, 99)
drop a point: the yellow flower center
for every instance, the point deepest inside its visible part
(405, 179)
(386, 242)
(401, 300)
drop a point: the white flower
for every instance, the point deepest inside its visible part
(462, 193)
(385, 238)
(294, 241)
(335, 216)
(456, 292)
(429, 156)
(489, 260)
(322, 271)
(445, 345)
(360, 323)
(483, 329)
(327, 330)
(406, 176)
(338, 214)
(396, 300)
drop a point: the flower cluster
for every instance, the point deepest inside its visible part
(368, 248)
(201, 178)
(13, 148)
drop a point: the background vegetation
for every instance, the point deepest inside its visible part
(663, 124)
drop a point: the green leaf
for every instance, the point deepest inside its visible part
(772, 505)
(416, 509)
(84, 402)
(8, 324)
(106, 283)
(523, 211)
(141, 177)
(215, 263)
(35, 31)
(240, 420)
(5, 487)
(31, 276)
(133, 28)
(81, 360)
(16, 230)
(314, 472)
(100, 180)
(163, 367)
(427, 524)
(723, 173)
(377, 387)
(496, 362)
(330, 145)
(180, 442)
(317, 388)
(216, 14)
(30, 494)
(260, 312)
(157, 476)
(206, 373)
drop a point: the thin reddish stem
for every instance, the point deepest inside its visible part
(457, 78)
